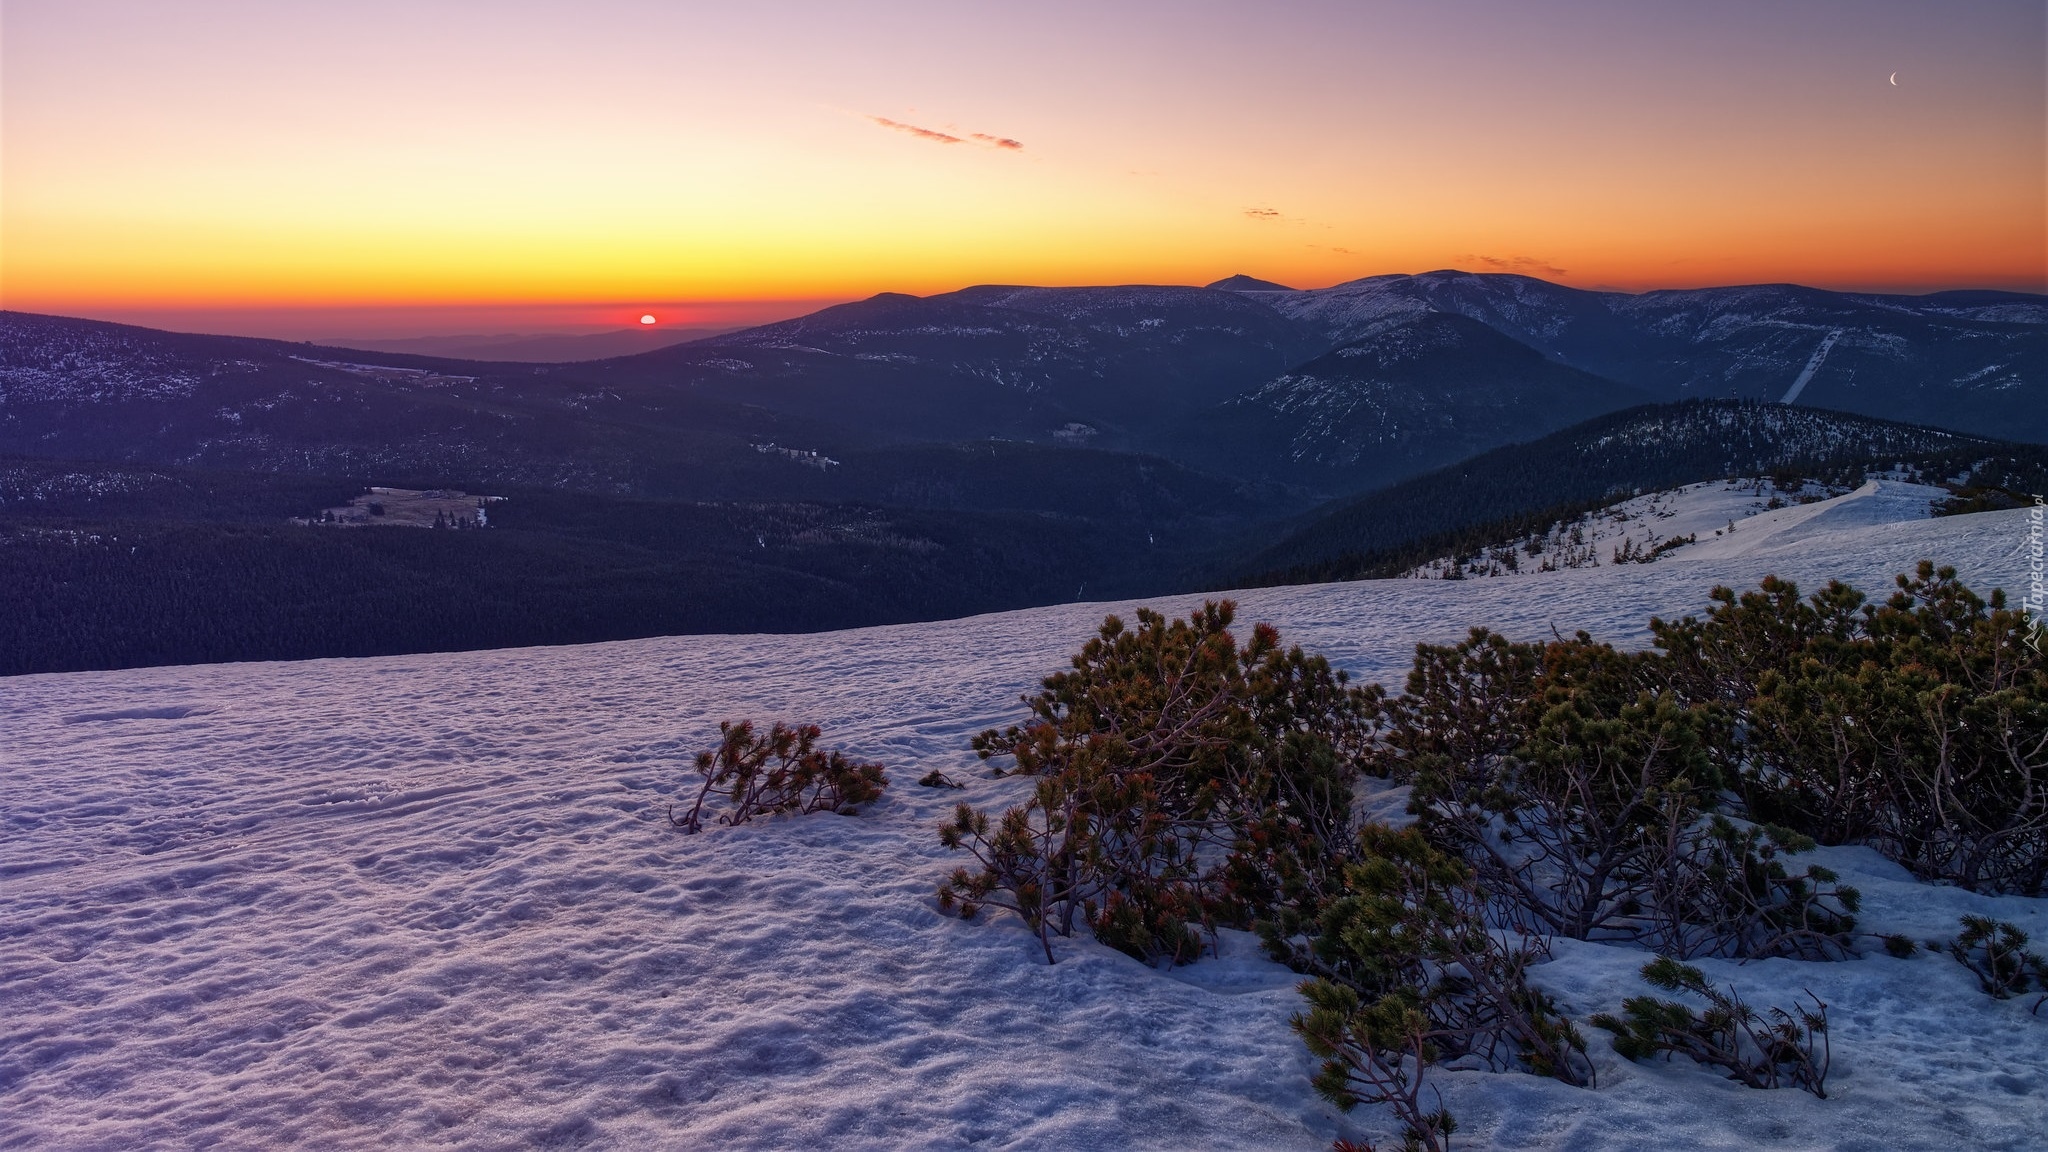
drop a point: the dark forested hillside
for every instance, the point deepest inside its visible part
(1118, 360)
(1419, 392)
(125, 588)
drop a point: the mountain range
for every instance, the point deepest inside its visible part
(1331, 389)
(1079, 441)
(1957, 359)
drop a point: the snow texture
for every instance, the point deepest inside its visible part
(431, 901)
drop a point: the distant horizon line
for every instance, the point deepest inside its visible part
(508, 320)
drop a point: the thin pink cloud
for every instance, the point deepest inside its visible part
(914, 130)
(1004, 143)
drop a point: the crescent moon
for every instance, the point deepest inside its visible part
(1895, 79)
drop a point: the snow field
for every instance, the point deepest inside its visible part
(431, 901)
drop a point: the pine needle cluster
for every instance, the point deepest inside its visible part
(1996, 953)
(1770, 1049)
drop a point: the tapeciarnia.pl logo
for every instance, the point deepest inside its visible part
(2037, 575)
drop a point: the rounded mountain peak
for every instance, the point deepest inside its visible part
(1244, 283)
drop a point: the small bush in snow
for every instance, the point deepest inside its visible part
(1761, 1050)
(1408, 974)
(1996, 953)
(781, 770)
(1183, 781)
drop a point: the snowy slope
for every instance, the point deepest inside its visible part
(1805, 527)
(1715, 520)
(429, 901)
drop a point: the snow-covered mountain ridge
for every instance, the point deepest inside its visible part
(1956, 360)
(430, 901)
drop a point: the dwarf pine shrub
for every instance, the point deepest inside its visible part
(1181, 781)
(1579, 784)
(1409, 974)
(1772, 1049)
(1918, 726)
(780, 770)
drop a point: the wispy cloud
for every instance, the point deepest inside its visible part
(1525, 265)
(914, 130)
(982, 138)
(1276, 216)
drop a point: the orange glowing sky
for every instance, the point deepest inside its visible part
(318, 169)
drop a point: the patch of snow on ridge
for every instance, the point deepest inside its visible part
(430, 901)
(1352, 311)
(1717, 519)
(42, 362)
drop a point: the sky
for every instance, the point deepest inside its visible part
(390, 168)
